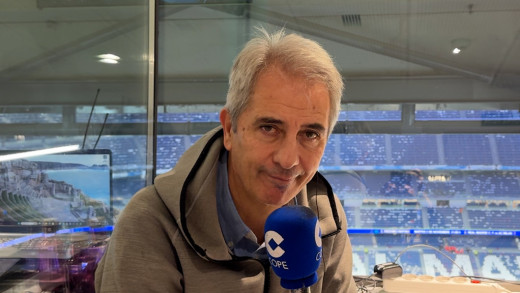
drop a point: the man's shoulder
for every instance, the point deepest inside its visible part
(143, 200)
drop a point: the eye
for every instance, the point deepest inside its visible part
(312, 135)
(310, 138)
(268, 129)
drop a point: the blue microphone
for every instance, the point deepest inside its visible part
(293, 242)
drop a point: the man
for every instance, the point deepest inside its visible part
(200, 227)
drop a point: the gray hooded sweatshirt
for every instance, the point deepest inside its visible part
(168, 238)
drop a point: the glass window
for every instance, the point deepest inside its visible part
(425, 156)
(73, 127)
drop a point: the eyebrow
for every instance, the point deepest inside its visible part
(316, 126)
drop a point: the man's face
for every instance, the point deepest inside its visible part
(279, 139)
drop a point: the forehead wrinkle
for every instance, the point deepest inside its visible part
(268, 119)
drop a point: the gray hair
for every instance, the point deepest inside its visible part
(295, 55)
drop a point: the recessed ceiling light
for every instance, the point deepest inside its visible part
(108, 58)
(108, 61)
(459, 45)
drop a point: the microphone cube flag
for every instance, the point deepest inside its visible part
(293, 242)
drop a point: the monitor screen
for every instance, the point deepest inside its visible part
(63, 190)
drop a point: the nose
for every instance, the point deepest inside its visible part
(287, 155)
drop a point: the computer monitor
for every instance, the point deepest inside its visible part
(64, 190)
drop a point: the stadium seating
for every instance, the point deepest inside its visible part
(417, 149)
(508, 149)
(445, 218)
(494, 219)
(467, 149)
(391, 218)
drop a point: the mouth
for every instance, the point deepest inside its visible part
(283, 180)
(281, 184)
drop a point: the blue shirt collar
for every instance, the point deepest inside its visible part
(239, 238)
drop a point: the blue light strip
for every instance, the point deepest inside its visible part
(86, 229)
(435, 232)
(325, 168)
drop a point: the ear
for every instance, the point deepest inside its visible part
(225, 120)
